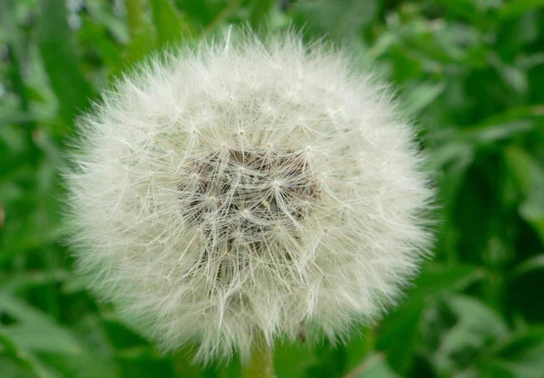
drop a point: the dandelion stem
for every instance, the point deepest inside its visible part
(261, 364)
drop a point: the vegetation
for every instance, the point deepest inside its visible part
(471, 74)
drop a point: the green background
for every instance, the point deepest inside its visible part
(469, 72)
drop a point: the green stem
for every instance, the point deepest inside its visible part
(261, 364)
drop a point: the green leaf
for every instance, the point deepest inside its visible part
(481, 134)
(529, 265)
(259, 12)
(97, 358)
(516, 8)
(101, 13)
(476, 328)
(359, 346)
(529, 176)
(422, 95)
(135, 16)
(403, 323)
(292, 360)
(374, 367)
(11, 368)
(170, 25)
(9, 347)
(437, 279)
(222, 16)
(493, 133)
(142, 36)
(60, 59)
(96, 36)
(34, 330)
(513, 114)
(462, 9)
(86, 355)
(521, 356)
(338, 18)
(14, 117)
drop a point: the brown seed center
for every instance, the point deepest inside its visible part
(247, 195)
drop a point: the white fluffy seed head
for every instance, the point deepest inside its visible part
(248, 188)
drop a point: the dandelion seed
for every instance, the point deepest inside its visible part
(248, 188)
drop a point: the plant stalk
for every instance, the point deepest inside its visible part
(261, 364)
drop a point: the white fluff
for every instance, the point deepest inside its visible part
(248, 188)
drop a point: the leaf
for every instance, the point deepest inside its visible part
(422, 95)
(339, 18)
(476, 328)
(170, 25)
(403, 323)
(462, 9)
(493, 133)
(59, 56)
(516, 8)
(96, 36)
(529, 176)
(222, 16)
(513, 114)
(14, 117)
(84, 356)
(102, 14)
(529, 265)
(359, 346)
(521, 356)
(438, 279)
(374, 367)
(454, 160)
(142, 37)
(135, 16)
(10, 368)
(26, 360)
(35, 331)
(499, 126)
(259, 12)
(482, 134)
(291, 360)
(20, 230)
(97, 358)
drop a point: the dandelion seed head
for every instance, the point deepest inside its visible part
(265, 188)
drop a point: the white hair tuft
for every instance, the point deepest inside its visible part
(248, 188)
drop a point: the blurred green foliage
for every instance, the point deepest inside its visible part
(469, 72)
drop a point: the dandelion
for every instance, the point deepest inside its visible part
(247, 190)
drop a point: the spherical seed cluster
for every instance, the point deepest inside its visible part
(248, 189)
